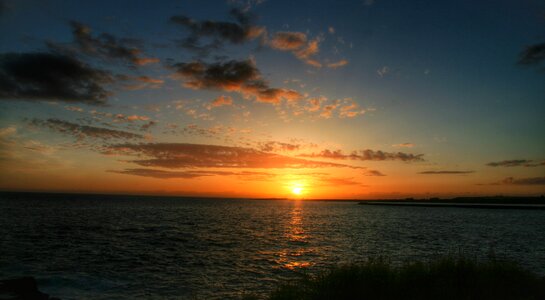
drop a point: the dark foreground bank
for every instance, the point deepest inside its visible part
(445, 278)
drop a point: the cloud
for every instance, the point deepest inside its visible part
(366, 155)
(220, 101)
(298, 44)
(404, 145)
(144, 82)
(338, 64)
(233, 32)
(350, 109)
(327, 110)
(374, 173)
(305, 54)
(233, 76)
(445, 172)
(48, 76)
(523, 181)
(288, 41)
(84, 131)
(383, 71)
(532, 55)
(74, 108)
(182, 155)
(107, 46)
(188, 174)
(273, 146)
(516, 163)
(7, 131)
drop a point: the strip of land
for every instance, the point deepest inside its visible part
(529, 203)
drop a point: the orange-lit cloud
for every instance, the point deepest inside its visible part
(220, 101)
(288, 41)
(338, 64)
(233, 76)
(162, 174)
(181, 155)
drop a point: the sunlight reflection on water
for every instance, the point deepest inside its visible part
(103, 247)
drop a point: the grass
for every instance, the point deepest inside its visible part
(451, 277)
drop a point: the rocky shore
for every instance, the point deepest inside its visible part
(24, 288)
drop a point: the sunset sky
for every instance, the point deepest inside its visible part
(268, 98)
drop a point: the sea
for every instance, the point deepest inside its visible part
(136, 247)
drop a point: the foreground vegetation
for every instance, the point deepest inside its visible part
(453, 277)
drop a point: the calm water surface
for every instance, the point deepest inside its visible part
(106, 247)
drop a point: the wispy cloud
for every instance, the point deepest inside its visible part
(288, 41)
(338, 64)
(273, 146)
(446, 172)
(404, 145)
(83, 131)
(533, 55)
(220, 101)
(373, 173)
(181, 155)
(189, 174)
(524, 181)
(516, 163)
(107, 46)
(519, 181)
(366, 155)
(383, 71)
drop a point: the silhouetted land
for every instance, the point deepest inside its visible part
(467, 202)
(445, 278)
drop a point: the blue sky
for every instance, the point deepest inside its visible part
(439, 79)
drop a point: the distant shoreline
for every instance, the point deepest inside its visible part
(487, 201)
(458, 205)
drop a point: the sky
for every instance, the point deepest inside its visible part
(350, 99)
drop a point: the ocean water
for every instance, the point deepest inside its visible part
(122, 247)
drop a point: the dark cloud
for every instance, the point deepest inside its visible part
(107, 46)
(180, 155)
(366, 155)
(374, 173)
(233, 76)
(48, 76)
(162, 174)
(532, 55)
(84, 131)
(236, 32)
(516, 163)
(523, 181)
(445, 172)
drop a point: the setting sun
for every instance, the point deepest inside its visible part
(297, 190)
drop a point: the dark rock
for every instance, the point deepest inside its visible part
(24, 288)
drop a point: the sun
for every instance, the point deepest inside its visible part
(297, 190)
